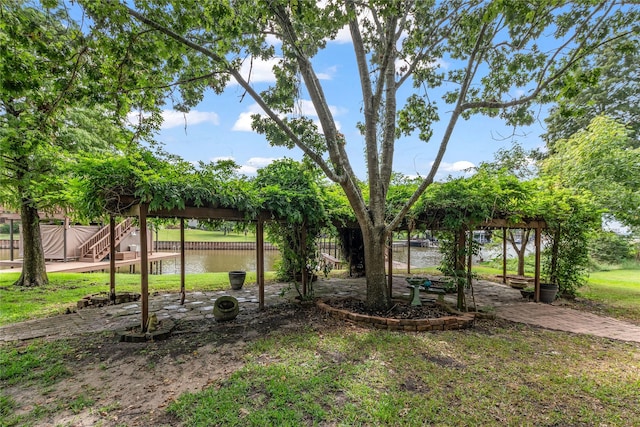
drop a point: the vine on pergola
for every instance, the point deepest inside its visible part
(463, 204)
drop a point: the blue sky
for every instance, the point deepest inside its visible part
(219, 128)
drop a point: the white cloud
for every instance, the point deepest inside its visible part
(243, 123)
(304, 107)
(247, 170)
(456, 166)
(256, 70)
(343, 36)
(171, 118)
(255, 163)
(260, 162)
(328, 73)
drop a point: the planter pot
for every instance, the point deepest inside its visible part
(225, 308)
(548, 292)
(236, 278)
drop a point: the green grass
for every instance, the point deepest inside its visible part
(65, 289)
(617, 292)
(494, 375)
(191, 235)
(38, 364)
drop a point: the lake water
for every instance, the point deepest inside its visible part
(208, 261)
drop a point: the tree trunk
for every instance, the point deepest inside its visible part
(374, 249)
(34, 271)
(520, 250)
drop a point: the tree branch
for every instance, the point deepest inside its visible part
(243, 83)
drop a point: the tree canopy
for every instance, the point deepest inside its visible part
(601, 159)
(50, 109)
(607, 83)
(502, 57)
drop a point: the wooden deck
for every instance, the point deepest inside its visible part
(85, 267)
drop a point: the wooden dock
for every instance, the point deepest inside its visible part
(86, 267)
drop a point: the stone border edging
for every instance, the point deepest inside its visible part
(162, 333)
(446, 323)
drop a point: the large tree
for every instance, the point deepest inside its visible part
(502, 56)
(47, 84)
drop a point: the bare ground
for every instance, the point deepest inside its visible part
(131, 384)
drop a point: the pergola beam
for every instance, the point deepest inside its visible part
(141, 211)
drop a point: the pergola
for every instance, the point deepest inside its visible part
(142, 212)
(433, 222)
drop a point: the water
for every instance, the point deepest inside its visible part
(420, 257)
(209, 261)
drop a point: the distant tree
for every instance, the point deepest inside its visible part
(519, 162)
(500, 57)
(606, 83)
(601, 160)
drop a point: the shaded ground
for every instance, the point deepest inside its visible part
(132, 383)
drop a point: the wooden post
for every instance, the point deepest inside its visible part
(144, 265)
(390, 266)
(11, 239)
(182, 263)
(504, 255)
(536, 294)
(408, 250)
(304, 272)
(65, 227)
(260, 261)
(460, 265)
(112, 258)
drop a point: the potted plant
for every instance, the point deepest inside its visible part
(225, 308)
(236, 279)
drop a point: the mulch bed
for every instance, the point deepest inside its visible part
(400, 309)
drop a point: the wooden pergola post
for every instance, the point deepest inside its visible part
(390, 265)
(182, 263)
(144, 267)
(112, 258)
(504, 255)
(11, 239)
(538, 240)
(460, 265)
(260, 260)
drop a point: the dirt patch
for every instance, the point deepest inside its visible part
(132, 383)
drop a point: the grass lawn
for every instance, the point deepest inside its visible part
(191, 235)
(494, 374)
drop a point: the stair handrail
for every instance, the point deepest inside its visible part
(98, 244)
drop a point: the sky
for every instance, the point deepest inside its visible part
(219, 128)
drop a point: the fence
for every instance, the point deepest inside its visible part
(5, 243)
(175, 246)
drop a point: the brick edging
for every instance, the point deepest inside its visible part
(446, 323)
